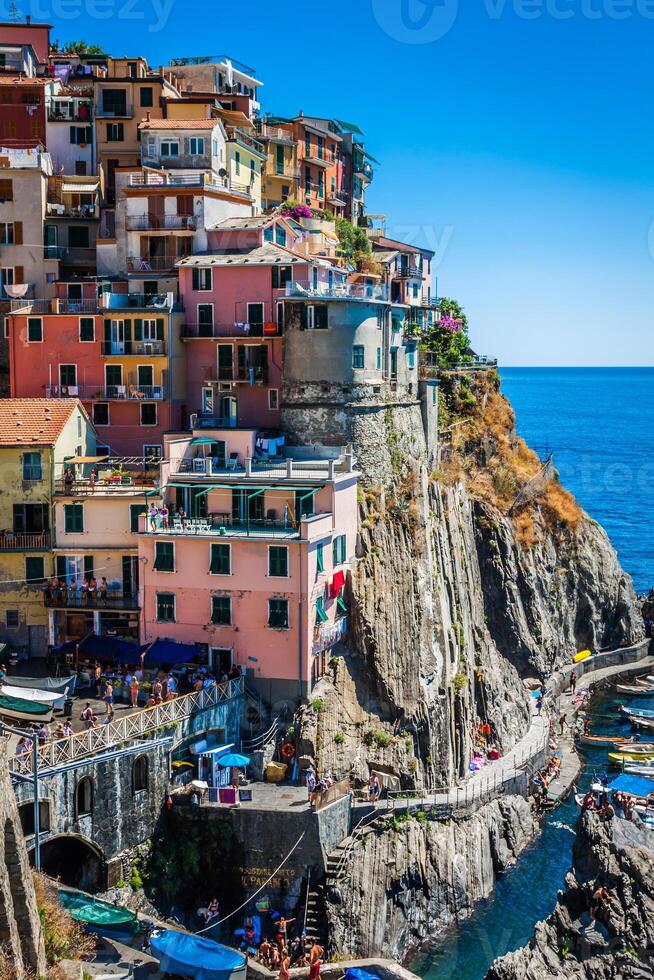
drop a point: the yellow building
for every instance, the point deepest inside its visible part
(36, 436)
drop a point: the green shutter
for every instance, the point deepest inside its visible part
(138, 329)
(161, 326)
(135, 511)
(220, 559)
(107, 331)
(340, 602)
(196, 279)
(221, 610)
(320, 558)
(61, 566)
(128, 331)
(321, 615)
(164, 560)
(88, 567)
(278, 562)
(73, 134)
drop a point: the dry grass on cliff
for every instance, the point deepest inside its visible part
(496, 466)
(63, 937)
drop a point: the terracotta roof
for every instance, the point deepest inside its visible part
(180, 123)
(386, 244)
(24, 80)
(247, 223)
(34, 421)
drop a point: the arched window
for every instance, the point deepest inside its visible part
(26, 814)
(140, 774)
(84, 797)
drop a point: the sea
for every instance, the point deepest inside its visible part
(596, 424)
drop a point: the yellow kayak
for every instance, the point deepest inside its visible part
(584, 655)
(631, 756)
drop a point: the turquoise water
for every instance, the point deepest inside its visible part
(597, 423)
(527, 892)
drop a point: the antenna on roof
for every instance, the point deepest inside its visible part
(14, 13)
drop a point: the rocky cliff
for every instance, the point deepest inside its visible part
(619, 943)
(408, 880)
(473, 574)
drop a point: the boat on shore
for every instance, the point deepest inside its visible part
(186, 955)
(636, 690)
(636, 712)
(625, 757)
(614, 741)
(27, 703)
(99, 917)
(646, 723)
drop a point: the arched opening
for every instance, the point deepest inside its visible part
(84, 797)
(74, 861)
(26, 814)
(140, 774)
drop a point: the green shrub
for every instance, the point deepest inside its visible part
(339, 738)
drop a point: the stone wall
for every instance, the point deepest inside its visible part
(20, 927)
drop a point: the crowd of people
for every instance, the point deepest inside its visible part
(282, 953)
(86, 591)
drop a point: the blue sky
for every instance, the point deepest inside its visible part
(515, 137)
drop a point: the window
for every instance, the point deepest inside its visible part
(6, 190)
(379, 358)
(148, 413)
(278, 562)
(80, 168)
(12, 619)
(358, 357)
(196, 146)
(81, 135)
(84, 797)
(273, 399)
(135, 511)
(32, 467)
(165, 607)
(115, 132)
(152, 455)
(279, 159)
(74, 518)
(169, 148)
(202, 280)
(339, 550)
(411, 358)
(268, 234)
(320, 558)
(280, 235)
(30, 518)
(237, 162)
(35, 330)
(164, 556)
(321, 615)
(307, 144)
(101, 413)
(281, 274)
(221, 559)
(78, 236)
(68, 376)
(221, 610)
(145, 94)
(140, 774)
(6, 233)
(86, 329)
(320, 317)
(149, 330)
(35, 569)
(278, 614)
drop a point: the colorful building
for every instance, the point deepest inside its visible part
(36, 436)
(120, 353)
(259, 571)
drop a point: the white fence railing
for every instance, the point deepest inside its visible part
(134, 725)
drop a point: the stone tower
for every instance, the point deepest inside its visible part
(20, 927)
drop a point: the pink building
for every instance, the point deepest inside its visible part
(258, 569)
(232, 298)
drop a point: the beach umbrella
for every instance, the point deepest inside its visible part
(234, 760)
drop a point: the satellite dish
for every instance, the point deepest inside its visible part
(222, 172)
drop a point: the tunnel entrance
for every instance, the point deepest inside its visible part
(74, 861)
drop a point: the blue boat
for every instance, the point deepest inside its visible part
(185, 955)
(636, 712)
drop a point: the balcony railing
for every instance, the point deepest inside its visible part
(204, 180)
(364, 171)
(168, 222)
(339, 197)
(409, 272)
(125, 111)
(70, 114)
(269, 469)
(344, 291)
(241, 136)
(276, 133)
(75, 305)
(71, 255)
(146, 348)
(150, 302)
(221, 525)
(158, 263)
(124, 483)
(290, 172)
(217, 330)
(57, 209)
(126, 392)
(24, 541)
(255, 375)
(115, 599)
(317, 161)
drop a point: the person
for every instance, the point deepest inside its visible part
(586, 726)
(109, 700)
(285, 964)
(93, 478)
(68, 728)
(374, 788)
(92, 591)
(22, 746)
(562, 723)
(97, 679)
(134, 691)
(195, 798)
(311, 783)
(102, 590)
(171, 684)
(212, 910)
(282, 929)
(315, 957)
(153, 514)
(87, 716)
(573, 682)
(157, 690)
(182, 516)
(69, 479)
(42, 734)
(164, 516)
(539, 704)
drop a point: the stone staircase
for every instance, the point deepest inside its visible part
(315, 922)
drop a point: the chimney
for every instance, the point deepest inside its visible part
(147, 116)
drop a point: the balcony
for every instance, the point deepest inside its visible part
(241, 136)
(126, 392)
(117, 600)
(222, 526)
(202, 180)
(339, 198)
(57, 209)
(274, 469)
(217, 331)
(256, 374)
(150, 302)
(409, 272)
(134, 483)
(68, 112)
(289, 172)
(169, 222)
(317, 161)
(24, 541)
(364, 171)
(124, 111)
(157, 263)
(70, 255)
(337, 290)
(276, 134)
(144, 348)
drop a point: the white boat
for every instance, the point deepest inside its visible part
(27, 703)
(636, 690)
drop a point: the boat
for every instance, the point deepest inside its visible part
(645, 769)
(580, 657)
(26, 703)
(63, 686)
(623, 757)
(613, 740)
(99, 917)
(185, 955)
(635, 689)
(644, 681)
(639, 722)
(636, 712)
